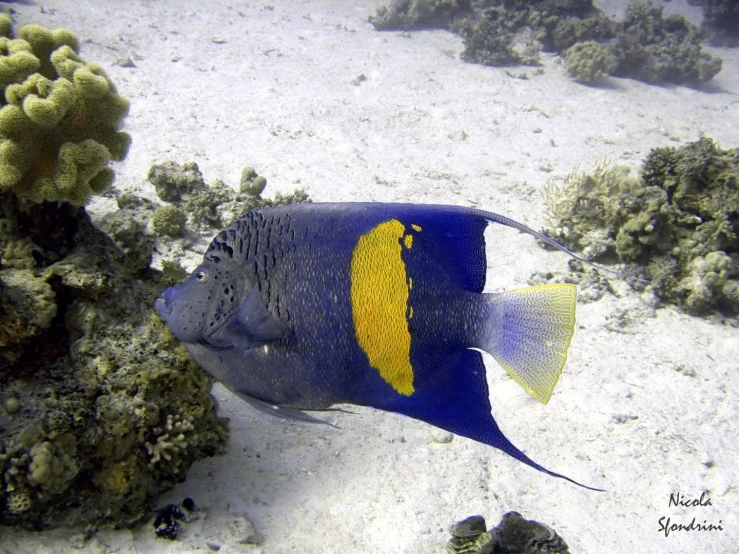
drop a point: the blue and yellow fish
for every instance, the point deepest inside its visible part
(304, 306)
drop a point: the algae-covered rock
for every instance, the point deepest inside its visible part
(489, 41)
(59, 118)
(27, 308)
(184, 186)
(513, 535)
(679, 220)
(129, 234)
(107, 410)
(173, 182)
(720, 21)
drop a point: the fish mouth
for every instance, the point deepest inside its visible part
(163, 306)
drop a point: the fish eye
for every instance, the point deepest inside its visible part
(201, 276)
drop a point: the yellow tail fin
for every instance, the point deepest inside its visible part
(530, 332)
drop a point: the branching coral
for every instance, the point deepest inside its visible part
(578, 203)
(171, 439)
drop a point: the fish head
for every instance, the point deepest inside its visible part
(206, 301)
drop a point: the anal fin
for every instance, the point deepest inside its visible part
(454, 396)
(282, 412)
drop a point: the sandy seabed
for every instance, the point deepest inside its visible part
(643, 410)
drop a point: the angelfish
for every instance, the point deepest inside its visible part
(305, 306)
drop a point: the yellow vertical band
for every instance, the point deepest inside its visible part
(379, 298)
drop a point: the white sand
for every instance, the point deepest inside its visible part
(643, 412)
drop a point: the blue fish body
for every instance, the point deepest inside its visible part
(301, 307)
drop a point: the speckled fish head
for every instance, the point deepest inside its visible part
(203, 303)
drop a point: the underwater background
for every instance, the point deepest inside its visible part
(619, 140)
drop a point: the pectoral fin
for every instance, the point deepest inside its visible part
(251, 327)
(254, 318)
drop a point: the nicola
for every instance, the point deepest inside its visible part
(676, 499)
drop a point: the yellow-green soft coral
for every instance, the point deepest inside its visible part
(59, 127)
(44, 41)
(16, 61)
(6, 26)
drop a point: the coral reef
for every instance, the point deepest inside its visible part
(513, 535)
(103, 409)
(59, 120)
(679, 220)
(654, 49)
(498, 32)
(210, 206)
(644, 46)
